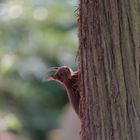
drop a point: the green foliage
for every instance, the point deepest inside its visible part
(34, 35)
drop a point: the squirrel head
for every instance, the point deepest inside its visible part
(62, 74)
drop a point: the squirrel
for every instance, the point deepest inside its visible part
(70, 79)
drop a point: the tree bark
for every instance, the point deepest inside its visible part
(109, 62)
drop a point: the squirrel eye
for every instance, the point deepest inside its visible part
(61, 74)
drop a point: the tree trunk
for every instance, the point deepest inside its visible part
(109, 62)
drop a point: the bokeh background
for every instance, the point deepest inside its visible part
(34, 35)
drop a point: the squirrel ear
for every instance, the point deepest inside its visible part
(48, 78)
(53, 68)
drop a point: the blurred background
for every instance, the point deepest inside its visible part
(35, 35)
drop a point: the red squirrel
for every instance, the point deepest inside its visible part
(70, 80)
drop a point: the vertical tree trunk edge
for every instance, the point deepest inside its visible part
(109, 63)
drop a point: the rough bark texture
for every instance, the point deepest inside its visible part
(109, 62)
